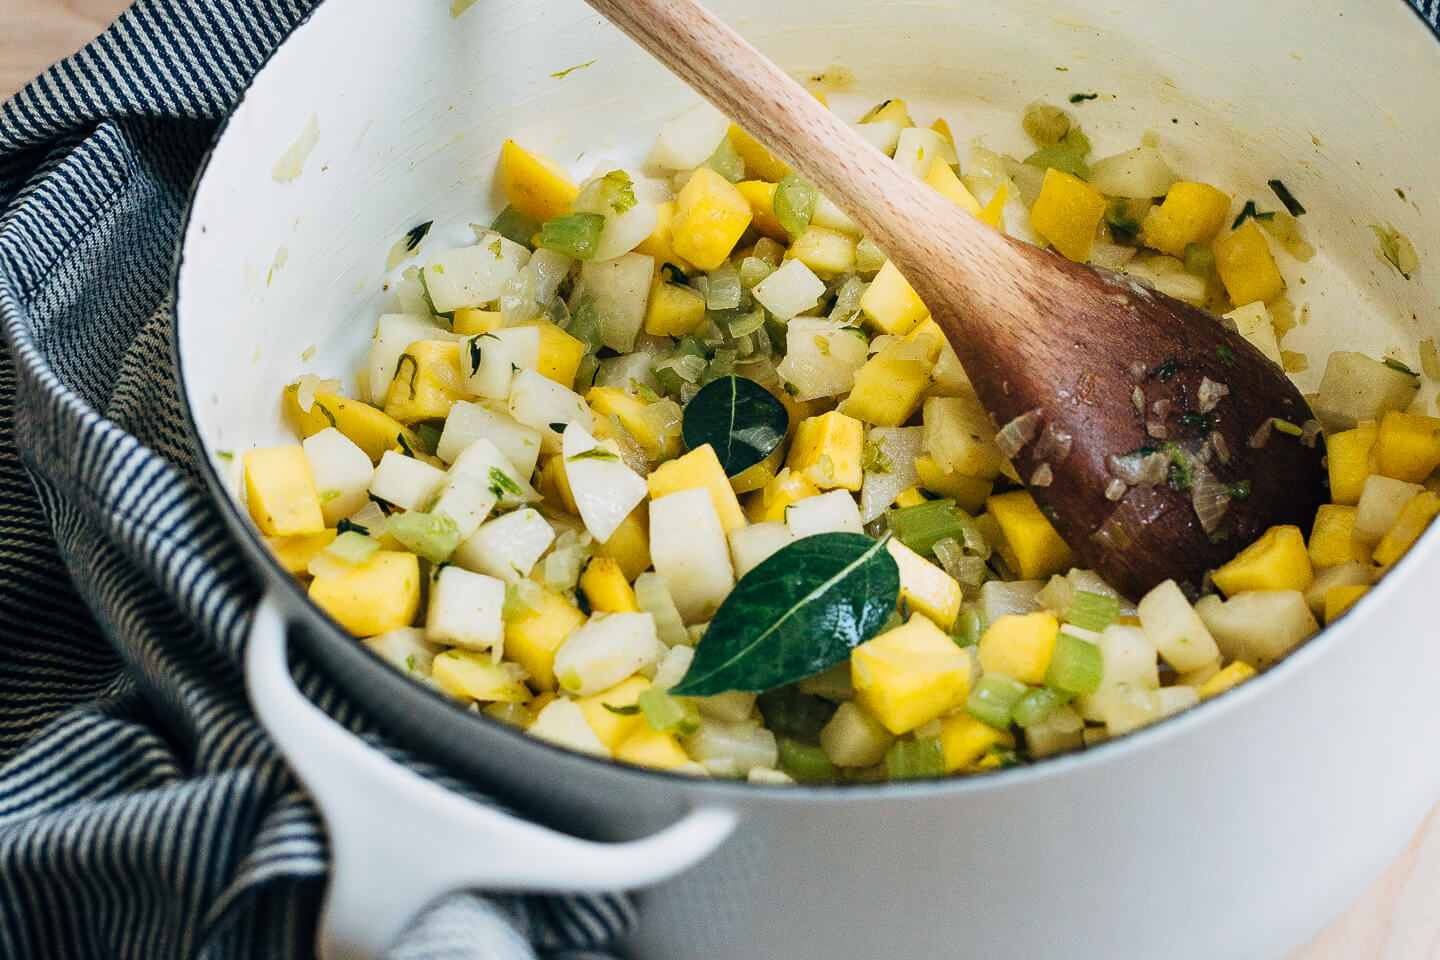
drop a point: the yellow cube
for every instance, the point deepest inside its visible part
(1407, 446)
(532, 638)
(828, 450)
(969, 493)
(1226, 679)
(924, 587)
(891, 304)
(295, 553)
(1190, 213)
(1029, 544)
(910, 498)
(699, 468)
(673, 310)
(535, 185)
(761, 197)
(1348, 454)
(960, 437)
(427, 382)
(890, 386)
(1020, 646)
(928, 336)
(754, 478)
(554, 486)
(280, 491)
(1246, 267)
(1411, 521)
(759, 161)
(770, 501)
(605, 586)
(472, 321)
(613, 728)
(942, 177)
(560, 355)
(1277, 561)
(828, 253)
(656, 442)
(477, 676)
(379, 595)
(1067, 213)
(658, 751)
(910, 675)
(629, 545)
(963, 739)
(661, 242)
(893, 110)
(369, 428)
(1342, 598)
(710, 218)
(1332, 538)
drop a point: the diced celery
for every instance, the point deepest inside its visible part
(1036, 705)
(516, 227)
(353, 547)
(1092, 611)
(804, 762)
(790, 713)
(573, 234)
(667, 714)
(970, 627)
(921, 526)
(433, 536)
(653, 596)
(1075, 666)
(1199, 260)
(722, 292)
(915, 759)
(727, 162)
(794, 204)
(994, 698)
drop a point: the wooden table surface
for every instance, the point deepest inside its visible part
(1398, 918)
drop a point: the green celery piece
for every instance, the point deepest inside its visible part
(1075, 666)
(920, 527)
(1092, 611)
(915, 759)
(573, 234)
(1036, 705)
(805, 763)
(667, 714)
(994, 698)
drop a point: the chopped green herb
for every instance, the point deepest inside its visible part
(558, 426)
(1226, 353)
(404, 444)
(400, 369)
(573, 234)
(618, 190)
(673, 274)
(501, 484)
(415, 234)
(1287, 198)
(225, 455)
(1396, 249)
(1399, 367)
(874, 459)
(1285, 427)
(1067, 156)
(1166, 370)
(629, 711)
(1201, 423)
(594, 453)
(562, 74)
(327, 495)
(428, 435)
(410, 663)
(1122, 225)
(350, 526)
(1248, 212)
(646, 394)
(1238, 490)
(1181, 473)
(325, 413)
(473, 351)
(516, 227)
(1082, 97)
(1219, 536)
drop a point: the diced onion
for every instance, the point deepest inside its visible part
(1221, 448)
(1309, 430)
(1054, 444)
(1115, 489)
(1042, 477)
(1261, 436)
(1156, 429)
(1210, 394)
(1011, 438)
(1210, 497)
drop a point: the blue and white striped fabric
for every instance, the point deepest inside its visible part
(143, 814)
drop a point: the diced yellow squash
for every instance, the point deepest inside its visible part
(613, 728)
(753, 478)
(943, 128)
(472, 321)
(1020, 646)
(427, 382)
(710, 218)
(699, 468)
(629, 545)
(960, 438)
(553, 484)
(1412, 520)
(910, 498)
(1246, 266)
(379, 595)
(1190, 213)
(1029, 544)
(969, 493)
(661, 242)
(828, 253)
(1340, 599)
(631, 411)
(1277, 561)
(910, 675)
(1407, 446)
(890, 386)
(761, 197)
(893, 110)
(1348, 454)
(673, 310)
(759, 161)
(963, 739)
(649, 748)
(532, 637)
(924, 587)
(560, 355)
(930, 337)
(768, 504)
(535, 185)
(828, 450)
(890, 304)
(477, 676)
(994, 212)
(1332, 538)
(295, 553)
(280, 491)
(947, 183)
(369, 428)
(1067, 213)
(605, 586)
(1226, 679)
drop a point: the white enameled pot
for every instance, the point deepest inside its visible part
(1234, 830)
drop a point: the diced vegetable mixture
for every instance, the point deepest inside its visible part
(672, 466)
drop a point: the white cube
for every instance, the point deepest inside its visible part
(507, 547)
(406, 482)
(606, 649)
(833, 512)
(689, 549)
(342, 473)
(465, 610)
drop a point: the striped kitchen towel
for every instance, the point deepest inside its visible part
(143, 814)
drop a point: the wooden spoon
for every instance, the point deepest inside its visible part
(1082, 365)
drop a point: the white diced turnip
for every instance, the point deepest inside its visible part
(1130, 675)
(673, 666)
(687, 141)
(472, 276)
(507, 547)
(469, 422)
(1351, 573)
(620, 287)
(883, 134)
(821, 357)
(1380, 501)
(406, 482)
(1258, 627)
(832, 512)
(751, 544)
(732, 749)
(1001, 597)
(1172, 625)
(406, 649)
(1252, 321)
(342, 473)
(488, 361)
(465, 499)
(889, 467)
(394, 332)
(790, 290)
(853, 738)
(1355, 388)
(483, 461)
(606, 649)
(465, 610)
(540, 403)
(689, 549)
(1141, 172)
(604, 488)
(563, 722)
(733, 706)
(959, 435)
(627, 201)
(1172, 700)
(917, 149)
(828, 215)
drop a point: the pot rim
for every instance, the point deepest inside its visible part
(305, 614)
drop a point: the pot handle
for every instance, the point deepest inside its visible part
(399, 842)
